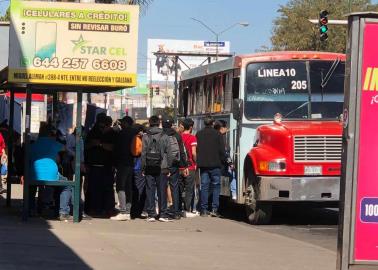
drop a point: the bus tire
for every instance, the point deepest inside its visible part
(257, 213)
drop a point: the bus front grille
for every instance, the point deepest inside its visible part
(317, 148)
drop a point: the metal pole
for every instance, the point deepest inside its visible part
(55, 114)
(175, 107)
(77, 186)
(216, 47)
(151, 89)
(350, 6)
(10, 149)
(26, 195)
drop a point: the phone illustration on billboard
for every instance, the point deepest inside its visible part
(45, 40)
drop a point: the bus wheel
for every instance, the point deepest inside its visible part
(257, 213)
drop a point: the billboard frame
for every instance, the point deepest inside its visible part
(351, 136)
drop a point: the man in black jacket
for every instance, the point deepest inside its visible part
(210, 159)
(178, 161)
(125, 169)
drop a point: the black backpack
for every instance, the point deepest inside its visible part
(175, 149)
(153, 154)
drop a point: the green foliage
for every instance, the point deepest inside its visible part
(6, 17)
(293, 31)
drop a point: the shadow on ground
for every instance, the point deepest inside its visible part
(32, 245)
(286, 214)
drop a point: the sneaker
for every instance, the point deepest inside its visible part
(121, 217)
(163, 219)
(84, 216)
(214, 214)
(143, 215)
(190, 214)
(204, 214)
(151, 219)
(177, 217)
(65, 217)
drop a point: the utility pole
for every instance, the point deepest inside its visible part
(217, 34)
(151, 89)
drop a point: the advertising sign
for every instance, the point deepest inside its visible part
(73, 43)
(142, 87)
(161, 67)
(366, 219)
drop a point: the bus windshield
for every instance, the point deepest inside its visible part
(283, 87)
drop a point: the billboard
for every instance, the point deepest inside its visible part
(142, 87)
(73, 43)
(161, 68)
(358, 239)
(366, 219)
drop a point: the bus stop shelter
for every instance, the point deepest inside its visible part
(46, 90)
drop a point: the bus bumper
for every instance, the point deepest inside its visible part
(317, 189)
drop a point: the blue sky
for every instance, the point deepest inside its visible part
(170, 19)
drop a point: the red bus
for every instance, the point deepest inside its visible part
(283, 110)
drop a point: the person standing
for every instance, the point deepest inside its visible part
(156, 153)
(2, 153)
(139, 197)
(188, 177)
(228, 168)
(125, 167)
(178, 161)
(99, 197)
(210, 160)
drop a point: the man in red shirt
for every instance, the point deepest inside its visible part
(190, 143)
(2, 152)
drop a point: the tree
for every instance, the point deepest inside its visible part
(293, 31)
(6, 16)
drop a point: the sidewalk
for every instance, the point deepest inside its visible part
(197, 243)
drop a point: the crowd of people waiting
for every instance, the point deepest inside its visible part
(154, 169)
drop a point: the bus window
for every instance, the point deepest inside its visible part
(208, 95)
(327, 102)
(276, 87)
(184, 100)
(199, 97)
(227, 82)
(218, 94)
(235, 87)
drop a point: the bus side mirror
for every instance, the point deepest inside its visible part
(237, 109)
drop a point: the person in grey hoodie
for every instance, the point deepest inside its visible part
(156, 161)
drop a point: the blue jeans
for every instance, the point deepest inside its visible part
(65, 200)
(232, 177)
(210, 177)
(157, 183)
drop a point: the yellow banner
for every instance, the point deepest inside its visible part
(72, 77)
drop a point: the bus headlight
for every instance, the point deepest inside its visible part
(272, 166)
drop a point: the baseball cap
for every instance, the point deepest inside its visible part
(167, 119)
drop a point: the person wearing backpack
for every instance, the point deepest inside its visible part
(125, 169)
(139, 197)
(179, 160)
(156, 161)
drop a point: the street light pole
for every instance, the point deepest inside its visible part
(217, 34)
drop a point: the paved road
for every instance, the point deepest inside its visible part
(291, 243)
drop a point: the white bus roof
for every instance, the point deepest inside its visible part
(236, 61)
